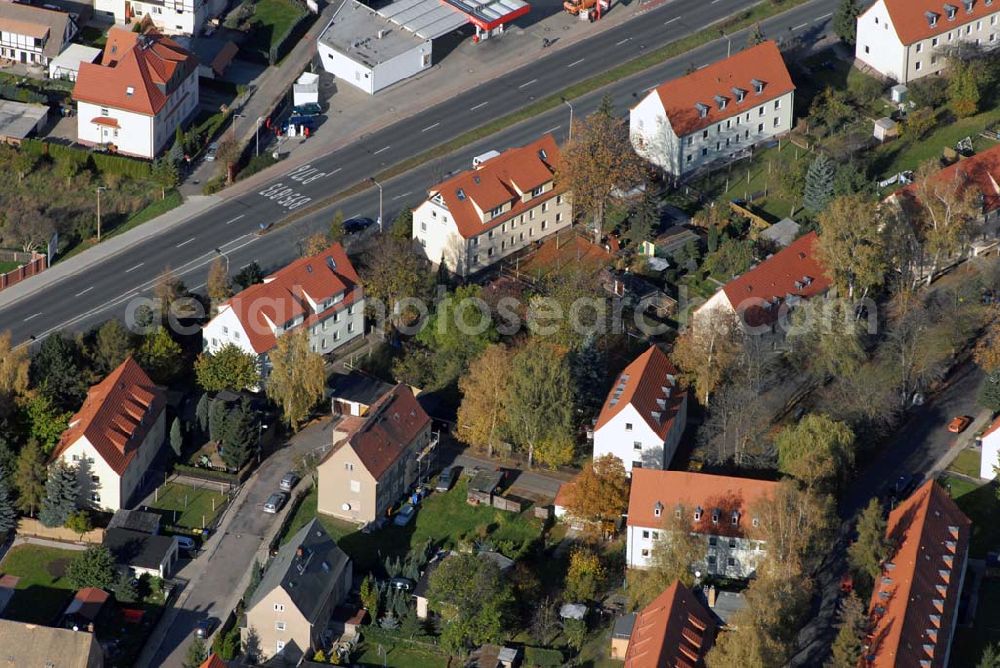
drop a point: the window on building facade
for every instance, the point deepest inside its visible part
(628, 426)
(355, 486)
(637, 445)
(279, 607)
(279, 626)
(645, 534)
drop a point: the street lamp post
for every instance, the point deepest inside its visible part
(100, 189)
(379, 186)
(225, 257)
(257, 136)
(568, 104)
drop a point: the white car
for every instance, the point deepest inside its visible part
(213, 148)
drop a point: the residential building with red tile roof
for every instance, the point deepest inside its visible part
(181, 17)
(719, 508)
(981, 173)
(903, 40)
(763, 297)
(321, 293)
(505, 203)
(213, 661)
(644, 414)
(674, 631)
(914, 606)
(34, 35)
(133, 101)
(376, 458)
(715, 113)
(115, 436)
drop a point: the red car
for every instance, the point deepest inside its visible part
(958, 425)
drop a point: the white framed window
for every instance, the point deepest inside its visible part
(637, 445)
(645, 533)
(645, 553)
(279, 626)
(279, 607)
(628, 426)
(278, 646)
(348, 466)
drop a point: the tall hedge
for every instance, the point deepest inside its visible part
(105, 163)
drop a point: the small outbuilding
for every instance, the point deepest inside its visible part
(782, 233)
(483, 486)
(19, 120)
(886, 128)
(142, 553)
(67, 64)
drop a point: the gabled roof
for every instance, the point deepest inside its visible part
(914, 602)
(86, 604)
(994, 426)
(37, 22)
(357, 387)
(648, 384)
(214, 661)
(116, 416)
(717, 496)
(791, 274)
(721, 81)
(286, 294)
(981, 171)
(386, 431)
(33, 645)
(307, 568)
(137, 72)
(910, 18)
(498, 181)
(674, 631)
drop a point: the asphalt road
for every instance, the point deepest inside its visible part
(105, 290)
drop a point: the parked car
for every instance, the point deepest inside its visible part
(355, 225)
(958, 424)
(447, 479)
(300, 121)
(289, 482)
(402, 584)
(404, 515)
(904, 484)
(307, 109)
(203, 629)
(186, 543)
(211, 152)
(275, 502)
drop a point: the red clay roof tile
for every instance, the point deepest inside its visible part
(981, 171)
(909, 17)
(674, 631)
(641, 385)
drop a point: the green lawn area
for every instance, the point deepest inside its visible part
(967, 463)
(43, 591)
(92, 37)
(8, 266)
(970, 642)
(445, 519)
(979, 502)
(187, 506)
(272, 19)
(398, 656)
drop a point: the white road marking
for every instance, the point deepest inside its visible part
(83, 292)
(676, 18)
(822, 18)
(478, 106)
(551, 129)
(714, 1)
(403, 195)
(527, 83)
(128, 271)
(185, 243)
(32, 316)
(804, 25)
(576, 62)
(384, 148)
(228, 222)
(430, 127)
(619, 43)
(335, 171)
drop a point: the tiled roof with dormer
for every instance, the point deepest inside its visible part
(649, 385)
(674, 631)
(914, 20)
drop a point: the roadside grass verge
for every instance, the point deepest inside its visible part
(966, 463)
(980, 504)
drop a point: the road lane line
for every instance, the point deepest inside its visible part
(576, 62)
(402, 196)
(32, 316)
(384, 148)
(228, 222)
(551, 129)
(127, 271)
(527, 83)
(668, 22)
(622, 41)
(185, 243)
(430, 127)
(822, 18)
(335, 171)
(478, 106)
(804, 25)
(83, 292)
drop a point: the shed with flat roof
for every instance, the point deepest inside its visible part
(19, 121)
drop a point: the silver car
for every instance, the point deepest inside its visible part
(289, 482)
(275, 502)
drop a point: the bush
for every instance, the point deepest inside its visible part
(292, 36)
(21, 94)
(214, 185)
(103, 163)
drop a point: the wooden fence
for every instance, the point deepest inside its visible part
(32, 527)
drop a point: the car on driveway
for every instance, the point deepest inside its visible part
(447, 479)
(402, 584)
(356, 225)
(958, 424)
(275, 502)
(289, 482)
(307, 109)
(404, 515)
(186, 543)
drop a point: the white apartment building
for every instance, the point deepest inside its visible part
(506, 202)
(132, 102)
(172, 17)
(903, 40)
(321, 293)
(114, 437)
(714, 113)
(34, 35)
(721, 512)
(644, 414)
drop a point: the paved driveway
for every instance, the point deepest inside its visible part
(215, 579)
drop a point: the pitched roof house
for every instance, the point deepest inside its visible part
(143, 553)
(716, 112)
(84, 608)
(506, 202)
(981, 173)
(763, 296)
(115, 436)
(34, 34)
(145, 86)
(321, 293)
(33, 645)
(903, 40)
(644, 415)
(915, 603)
(296, 596)
(674, 631)
(719, 508)
(375, 458)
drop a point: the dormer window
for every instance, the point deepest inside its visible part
(739, 93)
(720, 101)
(968, 6)
(542, 154)
(497, 211)
(658, 509)
(951, 11)
(697, 514)
(735, 519)
(931, 18)
(702, 109)
(460, 194)
(715, 516)
(677, 512)
(129, 91)
(537, 191)
(758, 86)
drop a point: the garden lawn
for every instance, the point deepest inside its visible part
(273, 18)
(188, 507)
(979, 502)
(43, 591)
(398, 656)
(970, 642)
(8, 266)
(445, 519)
(966, 463)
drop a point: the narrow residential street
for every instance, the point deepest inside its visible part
(215, 580)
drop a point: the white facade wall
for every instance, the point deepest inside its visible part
(373, 79)
(654, 138)
(22, 48)
(730, 557)
(629, 437)
(172, 17)
(717, 302)
(990, 456)
(338, 328)
(877, 44)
